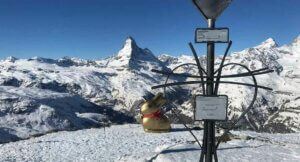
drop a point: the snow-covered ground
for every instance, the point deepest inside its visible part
(130, 143)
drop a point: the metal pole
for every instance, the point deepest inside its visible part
(210, 137)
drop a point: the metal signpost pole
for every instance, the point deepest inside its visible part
(210, 90)
(210, 9)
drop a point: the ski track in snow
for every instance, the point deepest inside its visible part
(130, 143)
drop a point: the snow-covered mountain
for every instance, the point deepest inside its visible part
(119, 82)
(133, 57)
(276, 111)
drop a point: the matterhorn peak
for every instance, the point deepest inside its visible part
(129, 47)
(134, 57)
(130, 42)
(269, 43)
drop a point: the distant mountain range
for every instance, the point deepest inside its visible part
(41, 95)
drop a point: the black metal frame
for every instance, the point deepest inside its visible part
(218, 78)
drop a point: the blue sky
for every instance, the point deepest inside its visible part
(93, 29)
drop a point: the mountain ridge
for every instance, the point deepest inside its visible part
(119, 82)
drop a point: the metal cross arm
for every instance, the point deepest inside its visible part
(175, 74)
(221, 68)
(255, 72)
(197, 82)
(199, 66)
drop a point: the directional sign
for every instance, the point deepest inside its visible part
(211, 108)
(217, 35)
(211, 9)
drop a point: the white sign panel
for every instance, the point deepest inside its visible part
(211, 108)
(212, 35)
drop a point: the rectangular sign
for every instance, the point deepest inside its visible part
(218, 35)
(211, 108)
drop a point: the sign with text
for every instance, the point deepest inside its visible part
(211, 108)
(217, 35)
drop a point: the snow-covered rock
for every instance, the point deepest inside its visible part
(133, 57)
(269, 43)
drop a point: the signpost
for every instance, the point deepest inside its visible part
(211, 107)
(210, 9)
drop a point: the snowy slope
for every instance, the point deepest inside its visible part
(26, 112)
(131, 143)
(85, 82)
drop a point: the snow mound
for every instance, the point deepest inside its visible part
(130, 143)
